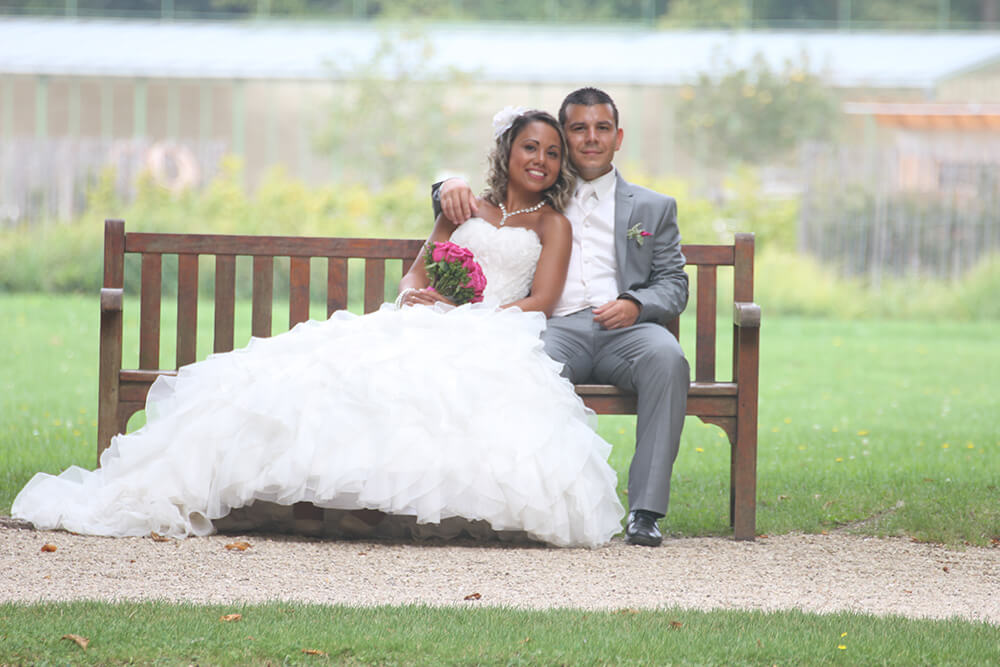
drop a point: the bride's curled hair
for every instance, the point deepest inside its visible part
(558, 195)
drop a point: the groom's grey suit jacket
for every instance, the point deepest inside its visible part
(651, 272)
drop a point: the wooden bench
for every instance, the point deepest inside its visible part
(729, 404)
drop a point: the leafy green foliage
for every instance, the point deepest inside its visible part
(820, 13)
(68, 257)
(772, 13)
(742, 209)
(715, 13)
(755, 113)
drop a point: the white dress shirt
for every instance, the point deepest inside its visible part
(591, 280)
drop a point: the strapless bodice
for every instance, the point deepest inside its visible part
(507, 255)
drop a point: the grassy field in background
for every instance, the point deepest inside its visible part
(888, 428)
(885, 428)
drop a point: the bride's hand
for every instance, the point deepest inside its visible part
(422, 297)
(457, 201)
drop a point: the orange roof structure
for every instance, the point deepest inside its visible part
(921, 116)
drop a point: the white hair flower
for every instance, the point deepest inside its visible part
(505, 118)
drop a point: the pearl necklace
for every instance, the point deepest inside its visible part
(530, 209)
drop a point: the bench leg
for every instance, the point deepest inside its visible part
(743, 487)
(744, 470)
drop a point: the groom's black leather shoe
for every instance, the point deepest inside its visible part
(642, 529)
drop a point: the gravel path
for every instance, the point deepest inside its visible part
(817, 573)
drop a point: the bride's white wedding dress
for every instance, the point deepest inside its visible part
(428, 412)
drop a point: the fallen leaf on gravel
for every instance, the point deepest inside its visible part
(48, 548)
(239, 546)
(313, 651)
(159, 538)
(676, 624)
(82, 642)
(472, 596)
(945, 568)
(230, 617)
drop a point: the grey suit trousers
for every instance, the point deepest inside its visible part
(644, 358)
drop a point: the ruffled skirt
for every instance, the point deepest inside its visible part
(430, 413)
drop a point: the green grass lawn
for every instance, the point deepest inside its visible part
(887, 428)
(281, 633)
(877, 427)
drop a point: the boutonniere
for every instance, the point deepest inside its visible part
(638, 234)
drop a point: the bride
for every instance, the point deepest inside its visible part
(425, 411)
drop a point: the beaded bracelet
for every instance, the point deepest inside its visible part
(402, 297)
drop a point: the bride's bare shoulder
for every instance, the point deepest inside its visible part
(555, 219)
(554, 224)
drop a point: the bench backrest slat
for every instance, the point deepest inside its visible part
(705, 328)
(187, 309)
(374, 284)
(336, 285)
(298, 290)
(743, 261)
(742, 285)
(225, 302)
(149, 311)
(674, 327)
(263, 296)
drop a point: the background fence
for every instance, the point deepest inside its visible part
(899, 212)
(48, 179)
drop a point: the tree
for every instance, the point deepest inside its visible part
(399, 115)
(816, 13)
(756, 113)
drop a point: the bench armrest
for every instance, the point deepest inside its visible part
(746, 314)
(111, 299)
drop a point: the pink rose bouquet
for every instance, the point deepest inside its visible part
(454, 273)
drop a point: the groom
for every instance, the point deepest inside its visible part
(626, 280)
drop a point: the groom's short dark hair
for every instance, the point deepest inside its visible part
(587, 97)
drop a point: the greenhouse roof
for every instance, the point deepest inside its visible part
(496, 52)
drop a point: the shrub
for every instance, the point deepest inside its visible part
(69, 257)
(743, 209)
